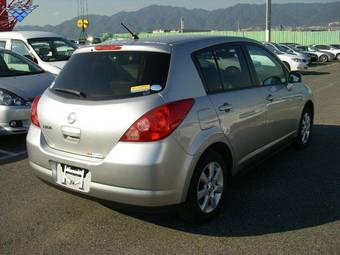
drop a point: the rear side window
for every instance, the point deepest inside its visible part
(19, 47)
(114, 75)
(223, 68)
(209, 71)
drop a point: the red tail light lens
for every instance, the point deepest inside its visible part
(108, 47)
(159, 123)
(34, 112)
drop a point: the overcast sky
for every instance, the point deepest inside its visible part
(56, 11)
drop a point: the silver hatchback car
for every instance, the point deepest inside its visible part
(166, 121)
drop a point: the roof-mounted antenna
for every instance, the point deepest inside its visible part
(135, 37)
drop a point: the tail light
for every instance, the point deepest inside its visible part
(34, 112)
(159, 123)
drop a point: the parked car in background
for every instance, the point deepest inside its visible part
(321, 55)
(50, 51)
(327, 48)
(20, 82)
(312, 56)
(141, 137)
(294, 51)
(292, 44)
(292, 62)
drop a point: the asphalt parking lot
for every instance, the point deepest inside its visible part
(288, 205)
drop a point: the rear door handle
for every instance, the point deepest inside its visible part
(270, 98)
(225, 107)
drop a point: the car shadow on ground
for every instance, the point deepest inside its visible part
(314, 73)
(12, 148)
(291, 191)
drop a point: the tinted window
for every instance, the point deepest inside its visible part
(233, 68)
(3, 44)
(14, 65)
(323, 47)
(52, 49)
(208, 67)
(114, 75)
(269, 71)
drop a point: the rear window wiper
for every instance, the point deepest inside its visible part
(71, 91)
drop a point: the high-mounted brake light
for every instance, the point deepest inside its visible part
(159, 123)
(108, 47)
(34, 112)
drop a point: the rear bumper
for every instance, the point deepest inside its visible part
(14, 113)
(150, 174)
(118, 194)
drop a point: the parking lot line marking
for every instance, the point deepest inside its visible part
(325, 87)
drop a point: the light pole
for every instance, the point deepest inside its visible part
(268, 20)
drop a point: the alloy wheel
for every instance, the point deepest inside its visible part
(210, 187)
(306, 128)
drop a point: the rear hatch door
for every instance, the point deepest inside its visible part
(98, 96)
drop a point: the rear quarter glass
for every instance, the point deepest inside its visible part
(114, 74)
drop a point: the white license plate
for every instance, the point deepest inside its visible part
(73, 178)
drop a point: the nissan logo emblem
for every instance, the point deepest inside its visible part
(72, 118)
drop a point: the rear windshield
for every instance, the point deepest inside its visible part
(113, 75)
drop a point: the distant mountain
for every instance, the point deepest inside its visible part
(168, 17)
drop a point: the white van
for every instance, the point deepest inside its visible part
(50, 51)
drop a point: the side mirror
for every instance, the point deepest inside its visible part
(295, 77)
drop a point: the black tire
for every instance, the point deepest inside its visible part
(323, 58)
(301, 142)
(191, 210)
(287, 65)
(337, 57)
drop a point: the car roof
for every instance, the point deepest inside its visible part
(182, 39)
(166, 43)
(27, 34)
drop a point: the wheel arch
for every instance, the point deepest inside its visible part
(220, 146)
(309, 104)
(287, 65)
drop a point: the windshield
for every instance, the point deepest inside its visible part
(283, 48)
(15, 65)
(273, 49)
(113, 75)
(52, 49)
